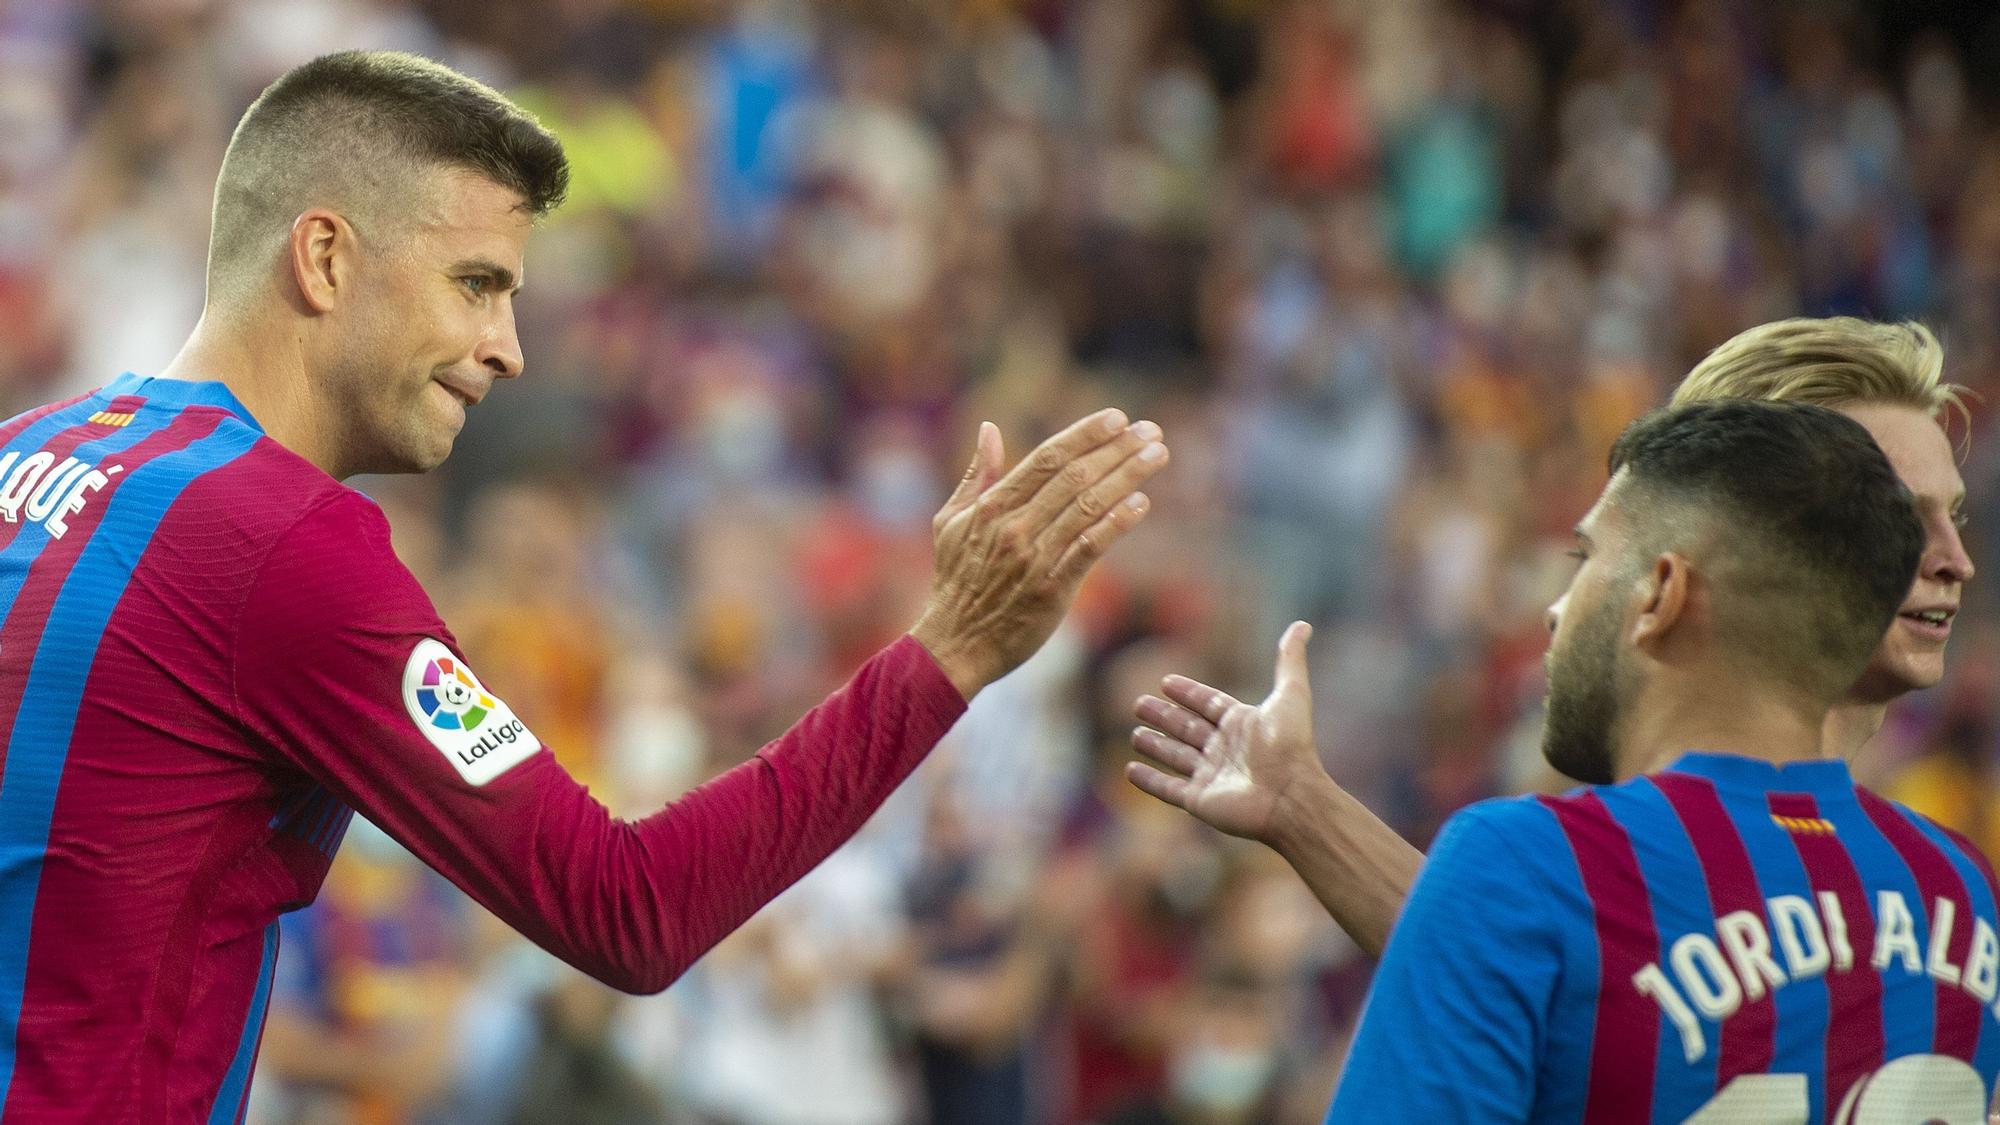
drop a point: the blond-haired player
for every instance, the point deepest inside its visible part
(1251, 769)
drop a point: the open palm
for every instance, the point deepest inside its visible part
(1232, 765)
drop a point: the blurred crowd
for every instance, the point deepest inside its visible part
(1390, 273)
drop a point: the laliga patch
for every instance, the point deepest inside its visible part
(476, 731)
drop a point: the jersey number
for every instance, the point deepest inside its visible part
(1912, 1090)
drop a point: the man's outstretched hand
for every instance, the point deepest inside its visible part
(1239, 768)
(1253, 772)
(1011, 550)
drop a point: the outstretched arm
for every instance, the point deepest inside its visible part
(343, 669)
(1252, 771)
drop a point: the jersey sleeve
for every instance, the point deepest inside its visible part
(1454, 1021)
(344, 669)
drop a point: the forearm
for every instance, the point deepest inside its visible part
(680, 880)
(1357, 866)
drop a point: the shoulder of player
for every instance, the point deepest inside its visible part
(1514, 816)
(266, 487)
(1940, 833)
(341, 530)
(333, 572)
(279, 517)
(1508, 856)
(1522, 829)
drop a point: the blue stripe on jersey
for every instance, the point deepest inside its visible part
(338, 832)
(1679, 894)
(315, 816)
(329, 837)
(39, 742)
(179, 393)
(20, 864)
(229, 1100)
(324, 814)
(299, 813)
(1566, 1042)
(1986, 1060)
(1909, 1005)
(1798, 1033)
(38, 434)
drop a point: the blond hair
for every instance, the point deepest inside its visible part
(1833, 361)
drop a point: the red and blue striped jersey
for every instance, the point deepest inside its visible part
(209, 656)
(1723, 941)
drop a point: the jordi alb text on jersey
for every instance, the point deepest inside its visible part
(1715, 976)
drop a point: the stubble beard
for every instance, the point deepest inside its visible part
(1584, 701)
(405, 431)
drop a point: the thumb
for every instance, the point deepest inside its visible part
(987, 459)
(990, 457)
(1292, 677)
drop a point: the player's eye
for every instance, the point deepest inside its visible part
(476, 283)
(1960, 517)
(1577, 554)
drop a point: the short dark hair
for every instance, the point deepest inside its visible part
(357, 122)
(1816, 538)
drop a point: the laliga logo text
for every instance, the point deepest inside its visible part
(455, 701)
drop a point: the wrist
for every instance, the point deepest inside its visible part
(952, 658)
(1306, 813)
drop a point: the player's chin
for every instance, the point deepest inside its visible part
(1894, 671)
(439, 447)
(431, 458)
(432, 440)
(424, 449)
(1920, 670)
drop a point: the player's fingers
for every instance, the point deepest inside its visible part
(988, 458)
(1173, 790)
(1198, 697)
(1292, 674)
(1090, 545)
(1088, 487)
(1175, 720)
(1169, 752)
(1027, 478)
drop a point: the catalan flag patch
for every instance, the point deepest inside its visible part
(111, 418)
(1807, 825)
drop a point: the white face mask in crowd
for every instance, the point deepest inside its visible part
(1219, 1078)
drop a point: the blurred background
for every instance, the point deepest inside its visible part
(1391, 274)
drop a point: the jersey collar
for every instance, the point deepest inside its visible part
(181, 392)
(1734, 771)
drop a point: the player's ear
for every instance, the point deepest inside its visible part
(1663, 600)
(319, 253)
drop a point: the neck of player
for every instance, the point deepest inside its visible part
(1718, 712)
(265, 368)
(1850, 726)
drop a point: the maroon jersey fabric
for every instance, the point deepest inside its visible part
(270, 666)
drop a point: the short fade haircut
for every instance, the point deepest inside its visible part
(1830, 361)
(349, 130)
(1809, 538)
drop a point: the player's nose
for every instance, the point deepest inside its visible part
(500, 347)
(1945, 559)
